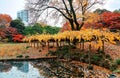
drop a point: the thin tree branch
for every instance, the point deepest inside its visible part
(66, 8)
(58, 11)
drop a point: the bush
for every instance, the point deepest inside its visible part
(40, 50)
(27, 56)
(105, 63)
(19, 56)
(51, 46)
(27, 47)
(113, 66)
(116, 71)
(52, 52)
(95, 59)
(118, 61)
(73, 47)
(90, 67)
(108, 56)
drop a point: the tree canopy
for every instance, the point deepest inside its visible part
(18, 24)
(69, 9)
(5, 19)
(100, 11)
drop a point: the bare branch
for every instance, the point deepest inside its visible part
(58, 11)
(66, 8)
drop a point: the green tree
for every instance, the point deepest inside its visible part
(51, 30)
(117, 11)
(100, 11)
(37, 28)
(31, 30)
(28, 30)
(18, 24)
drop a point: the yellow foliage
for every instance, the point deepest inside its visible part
(85, 35)
(92, 17)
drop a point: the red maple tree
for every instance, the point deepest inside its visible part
(110, 20)
(5, 19)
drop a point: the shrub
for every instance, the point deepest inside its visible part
(40, 50)
(27, 47)
(90, 67)
(118, 61)
(73, 46)
(113, 66)
(52, 52)
(108, 56)
(95, 59)
(17, 37)
(105, 63)
(19, 56)
(51, 46)
(27, 56)
(116, 71)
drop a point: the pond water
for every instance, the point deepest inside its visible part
(46, 69)
(18, 70)
(37, 69)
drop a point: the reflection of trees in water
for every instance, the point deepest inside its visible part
(22, 66)
(5, 67)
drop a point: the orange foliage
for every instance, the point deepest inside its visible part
(66, 27)
(90, 22)
(5, 19)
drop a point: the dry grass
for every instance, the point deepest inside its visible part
(8, 51)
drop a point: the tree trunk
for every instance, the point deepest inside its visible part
(89, 54)
(72, 24)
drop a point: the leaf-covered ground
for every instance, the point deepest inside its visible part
(113, 50)
(9, 51)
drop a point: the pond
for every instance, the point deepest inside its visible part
(37, 69)
(18, 70)
(46, 69)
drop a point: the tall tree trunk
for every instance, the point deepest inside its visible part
(72, 24)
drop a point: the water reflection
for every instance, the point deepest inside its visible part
(47, 69)
(18, 70)
(22, 66)
(4, 67)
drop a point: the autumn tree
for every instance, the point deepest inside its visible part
(65, 8)
(110, 20)
(66, 27)
(91, 22)
(5, 19)
(7, 33)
